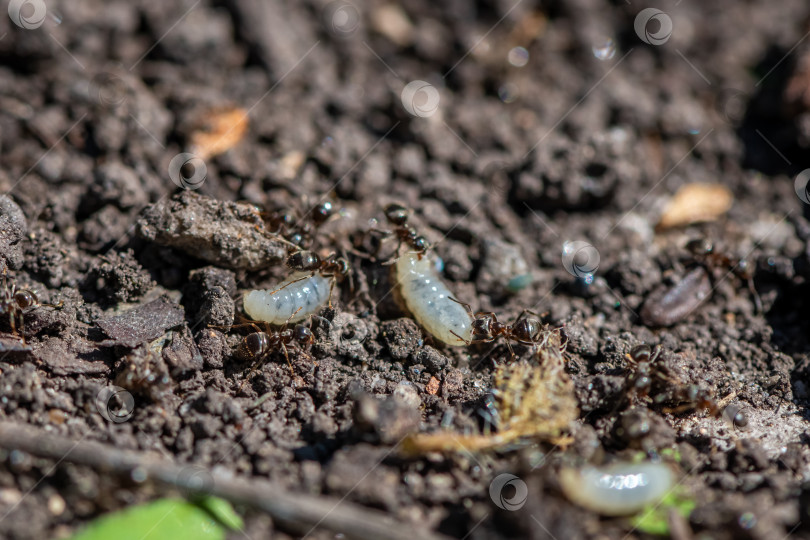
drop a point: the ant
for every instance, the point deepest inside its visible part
(299, 231)
(397, 215)
(486, 328)
(15, 302)
(650, 375)
(258, 345)
(308, 261)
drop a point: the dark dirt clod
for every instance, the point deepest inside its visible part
(118, 278)
(220, 232)
(182, 354)
(12, 231)
(143, 323)
(391, 418)
(402, 336)
(208, 297)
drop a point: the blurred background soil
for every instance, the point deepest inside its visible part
(552, 122)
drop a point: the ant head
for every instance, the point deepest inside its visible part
(302, 334)
(641, 353)
(342, 266)
(256, 343)
(322, 212)
(482, 327)
(304, 261)
(420, 243)
(700, 246)
(25, 298)
(396, 214)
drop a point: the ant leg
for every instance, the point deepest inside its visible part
(491, 314)
(351, 283)
(394, 260)
(290, 283)
(530, 312)
(293, 314)
(511, 351)
(13, 320)
(331, 290)
(253, 368)
(466, 341)
(465, 304)
(755, 295)
(345, 255)
(381, 232)
(240, 325)
(287, 357)
(360, 255)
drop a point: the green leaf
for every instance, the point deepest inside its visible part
(654, 520)
(165, 519)
(222, 511)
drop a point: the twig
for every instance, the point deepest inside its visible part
(294, 510)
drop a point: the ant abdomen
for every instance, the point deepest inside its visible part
(253, 345)
(304, 261)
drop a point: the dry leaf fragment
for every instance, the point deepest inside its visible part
(220, 130)
(532, 402)
(694, 203)
(290, 164)
(391, 21)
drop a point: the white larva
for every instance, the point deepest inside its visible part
(620, 489)
(309, 294)
(429, 300)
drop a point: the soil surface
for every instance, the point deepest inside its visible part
(542, 124)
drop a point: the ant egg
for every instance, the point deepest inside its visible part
(302, 291)
(429, 300)
(619, 489)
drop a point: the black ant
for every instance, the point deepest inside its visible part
(670, 306)
(652, 377)
(258, 345)
(15, 302)
(299, 231)
(397, 215)
(486, 328)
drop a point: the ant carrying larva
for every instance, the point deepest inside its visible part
(486, 328)
(397, 215)
(419, 288)
(302, 294)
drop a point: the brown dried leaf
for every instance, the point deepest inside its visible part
(391, 21)
(533, 402)
(221, 129)
(694, 203)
